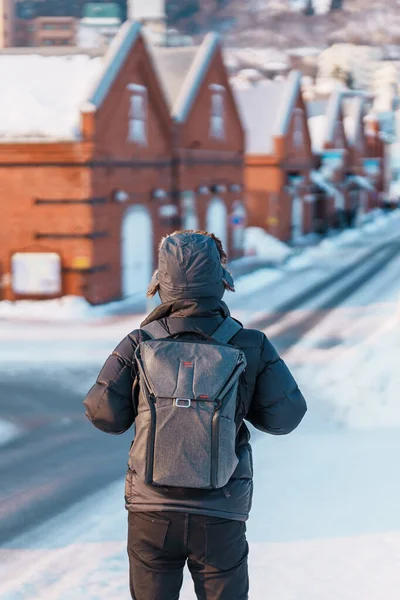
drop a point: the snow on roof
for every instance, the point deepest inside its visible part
(182, 70)
(317, 126)
(332, 114)
(250, 75)
(196, 75)
(266, 108)
(142, 10)
(172, 65)
(45, 89)
(328, 85)
(291, 91)
(354, 108)
(305, 51)
(42, 94)
(259, 106)
(350, 128)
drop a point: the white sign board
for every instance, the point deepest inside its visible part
(36, 273)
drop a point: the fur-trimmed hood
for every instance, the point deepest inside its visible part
(189, 266)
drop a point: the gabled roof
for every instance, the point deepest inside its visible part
(322, 119)
(354, 112)
(114, 60)
(182, 72)
(317, 128)
(266, 108)
(44, 90)
(173, 65)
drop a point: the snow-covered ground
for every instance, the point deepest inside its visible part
(325, 523)
(257, 243)
(8, 431)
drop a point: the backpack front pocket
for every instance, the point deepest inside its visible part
(182, 450)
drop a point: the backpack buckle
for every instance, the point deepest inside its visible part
(183, 402)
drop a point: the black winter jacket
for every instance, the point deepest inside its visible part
(269, 398)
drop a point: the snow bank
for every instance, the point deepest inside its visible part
(363, 383)
(67, 308)
(258, 242)
(43, 94)
(255, 281)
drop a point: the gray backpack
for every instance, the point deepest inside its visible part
(185, 426)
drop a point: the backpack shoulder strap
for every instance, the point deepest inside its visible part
(155, 330)
(227, 330)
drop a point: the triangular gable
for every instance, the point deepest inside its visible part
(195, 77)
(335, 137)
(292, 120)
(128, 81)
(354, 122)
(290, 98)
(117, 54)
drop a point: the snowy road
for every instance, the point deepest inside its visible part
(325, 522)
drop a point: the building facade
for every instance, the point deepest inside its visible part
(279, 159)
(208, 141)
(7, 23)
(92, 182)
(84, 208)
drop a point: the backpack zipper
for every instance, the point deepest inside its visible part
(214, 449)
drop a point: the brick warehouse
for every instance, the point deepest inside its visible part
(208, 140)
(100, 198)
(279, 159)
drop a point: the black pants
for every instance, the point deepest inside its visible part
(160, 543)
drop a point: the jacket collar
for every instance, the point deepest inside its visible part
(204, 307)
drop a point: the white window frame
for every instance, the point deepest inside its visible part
(298, 127)
(138, 112)
(190, 217)
(217, 116)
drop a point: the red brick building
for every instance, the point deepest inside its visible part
(344, 180)
(86, 175)
(375, 156)
(100, 156)
(331, 149)
(208, 140)
(279, 158)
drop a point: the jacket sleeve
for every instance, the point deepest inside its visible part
(278, 406)
(109, 404)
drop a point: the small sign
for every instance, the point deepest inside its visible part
(81, 262)
(238, 220)
(36, 273)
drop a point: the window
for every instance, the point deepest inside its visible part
(217, 123)
(238, 222)
(190, 218)
(137, 114)
(298, 124)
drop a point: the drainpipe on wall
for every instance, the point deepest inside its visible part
(175, 173)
